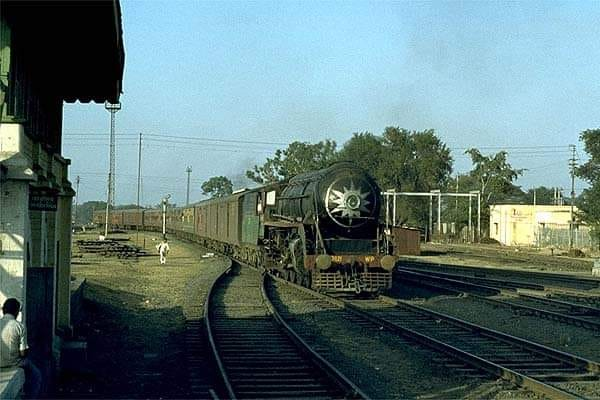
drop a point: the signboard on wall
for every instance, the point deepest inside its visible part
(42, 199)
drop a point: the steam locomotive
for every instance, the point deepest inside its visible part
(320, 229)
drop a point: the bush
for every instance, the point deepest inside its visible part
(576, 253)
(487, 240)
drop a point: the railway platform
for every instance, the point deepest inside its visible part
(11, 383)
(136, 319)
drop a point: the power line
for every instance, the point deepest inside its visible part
(192, 138)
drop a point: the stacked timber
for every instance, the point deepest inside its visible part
(111, 247)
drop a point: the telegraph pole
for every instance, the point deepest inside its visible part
(139, 184)
(164, 215)
(572, 165)
(187, 198)
(110, 196)
(76, 197)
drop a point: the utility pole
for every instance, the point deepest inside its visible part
(470, 230)
(456, 208)
(164, 215)
(139, 184)
(187, 198)
(76, 197)
(572, 165)
(478, 216)
(430, 226)
(110, 196)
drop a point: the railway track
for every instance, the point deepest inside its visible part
(257, 353)
(574, 313)
(474, 349)
(509, 279)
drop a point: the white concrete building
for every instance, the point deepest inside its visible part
(529, 225)
(40, 69)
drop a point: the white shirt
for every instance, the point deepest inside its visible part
(13, 340)
(163, 248)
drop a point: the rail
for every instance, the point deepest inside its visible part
(586, 316)
(477, 346)
(288, 367)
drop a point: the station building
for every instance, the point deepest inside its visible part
(51, 52)
(535, 225)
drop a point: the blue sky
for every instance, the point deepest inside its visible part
(492, 75)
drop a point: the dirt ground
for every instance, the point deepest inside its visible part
(134, 322)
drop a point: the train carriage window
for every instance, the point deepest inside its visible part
(271, 198)
(249, 205)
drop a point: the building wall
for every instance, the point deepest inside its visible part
(35, 244)
(37, 73)
(521, 225)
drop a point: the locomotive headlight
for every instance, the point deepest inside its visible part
(352, 200)
(323, 261)
(388, 262)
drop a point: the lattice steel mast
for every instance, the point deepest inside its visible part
(110, 196)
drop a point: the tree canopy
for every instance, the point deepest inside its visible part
(85, 211)
(217, 186)
(299, 157)
(494, 175)
(403, 160)
(589, 201)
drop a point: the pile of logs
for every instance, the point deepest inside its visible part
(111, 247)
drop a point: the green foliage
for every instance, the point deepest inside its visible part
(494, 175)
(299, 157)
(589, 201)
(365, 150)
(85, 211)
(403, 160)
(126, 206)
(543, 195)
(217, 186)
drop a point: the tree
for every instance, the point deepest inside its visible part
(494, 175)
(589, 201)
(494, 178)
(543, 195)
(299, 157)
(403, 160)
(414, 161)
(365, 150)
(86, 210)
(217, 186)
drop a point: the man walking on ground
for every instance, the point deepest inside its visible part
(163, 249)
(13, 347)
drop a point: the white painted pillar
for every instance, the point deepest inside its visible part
(15, 176)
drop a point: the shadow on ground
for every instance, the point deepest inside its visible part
(135, 349)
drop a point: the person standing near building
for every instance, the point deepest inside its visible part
(13, 348)
(163, 250)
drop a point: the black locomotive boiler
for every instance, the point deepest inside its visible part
(320, 229)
